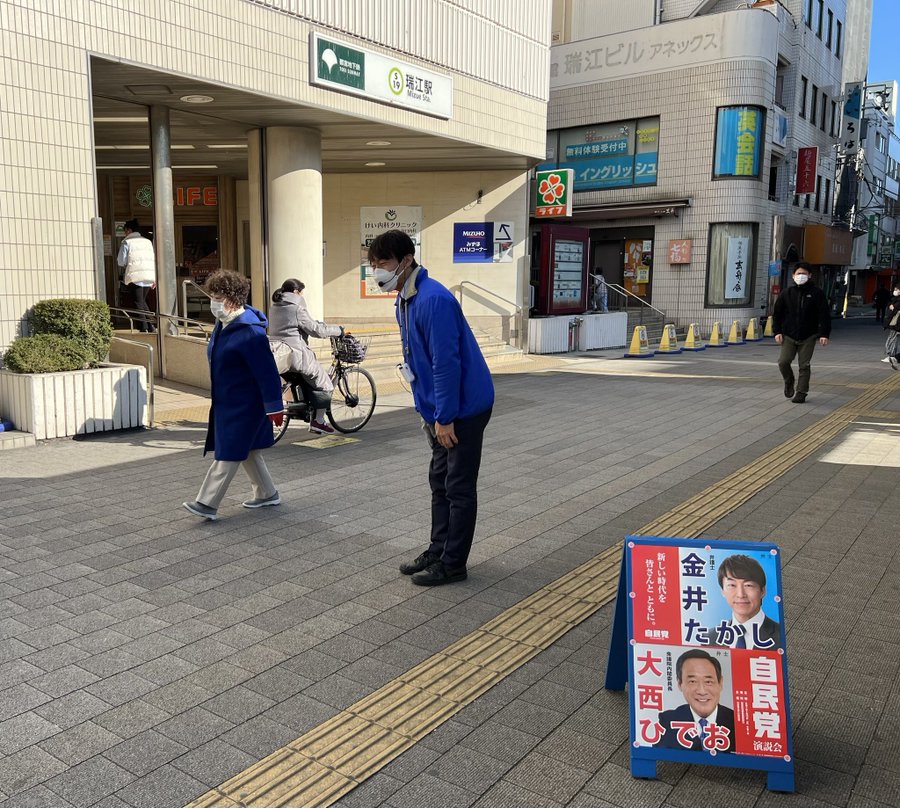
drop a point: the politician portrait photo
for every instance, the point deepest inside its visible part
(702, 723)
(742, 580)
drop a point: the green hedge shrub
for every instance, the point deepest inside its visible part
(87, 322)
(45, 353)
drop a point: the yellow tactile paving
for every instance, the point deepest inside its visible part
(327, 762)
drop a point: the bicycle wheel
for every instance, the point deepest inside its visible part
(353, 399)
(278, 431)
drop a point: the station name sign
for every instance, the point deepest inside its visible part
(378, 77)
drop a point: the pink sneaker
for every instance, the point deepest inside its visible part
(321, 428)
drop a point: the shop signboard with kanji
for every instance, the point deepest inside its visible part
(699, 636)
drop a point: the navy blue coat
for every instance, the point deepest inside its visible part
(245, 386)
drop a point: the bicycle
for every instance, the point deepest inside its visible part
(352, 402)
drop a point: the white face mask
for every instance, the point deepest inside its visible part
(387, 279)
(896, 292)
(800, 279)
(217, 307)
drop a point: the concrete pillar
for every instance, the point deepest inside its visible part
(293, 210)
(255, 174)
(163, 219)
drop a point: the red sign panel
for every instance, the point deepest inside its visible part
(807, 163)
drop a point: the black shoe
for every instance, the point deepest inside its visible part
(799, 398)
(420, 563)
(789, 389)
(437, 574)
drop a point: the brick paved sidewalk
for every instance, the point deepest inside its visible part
(147, 656)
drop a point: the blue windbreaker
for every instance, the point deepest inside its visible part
(452, 379)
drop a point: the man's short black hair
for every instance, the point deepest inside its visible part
(697, 653)
(132, 225)
(805, 265)
(394, 244)
(744, 567)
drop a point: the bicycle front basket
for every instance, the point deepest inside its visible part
(349, 349)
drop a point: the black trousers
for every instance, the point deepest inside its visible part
(453, 475)
(145, 322)
(803, 350)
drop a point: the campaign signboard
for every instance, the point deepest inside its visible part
(698, 634)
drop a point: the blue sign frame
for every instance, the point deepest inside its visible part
(620, 671)
(740, 134)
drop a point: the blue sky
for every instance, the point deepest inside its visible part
(884, 58)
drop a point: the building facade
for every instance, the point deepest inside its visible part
(714, 110)
(270, 137)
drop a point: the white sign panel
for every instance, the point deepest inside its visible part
(737, 268)
(744, 34)
(373, 221)
(350, 69)
(503, 242)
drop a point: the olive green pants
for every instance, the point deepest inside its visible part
(803, 350)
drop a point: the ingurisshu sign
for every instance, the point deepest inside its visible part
(698, 633)
(350, 69)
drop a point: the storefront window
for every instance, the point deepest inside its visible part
(739, 137)
(729, 271)
(621, 154)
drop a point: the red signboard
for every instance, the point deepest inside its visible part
(807, 163)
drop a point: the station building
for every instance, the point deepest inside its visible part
(684, 123)
(271, 137)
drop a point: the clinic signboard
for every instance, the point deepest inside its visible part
(482, 242)
(698, 634)
(349, 68)
(375, 220)
(739, 140)
(621, 154)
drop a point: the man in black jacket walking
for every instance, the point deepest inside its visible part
(801, 317)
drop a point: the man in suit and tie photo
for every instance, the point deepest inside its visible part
(702, 724)
(743, 583)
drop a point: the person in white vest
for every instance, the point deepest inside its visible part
(137, 257)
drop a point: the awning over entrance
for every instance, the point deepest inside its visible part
(824, 244)
(627, 210)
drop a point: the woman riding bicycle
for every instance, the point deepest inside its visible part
(291, 324)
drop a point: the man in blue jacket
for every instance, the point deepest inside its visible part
(454, 394)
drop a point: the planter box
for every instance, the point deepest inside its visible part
(77, 402)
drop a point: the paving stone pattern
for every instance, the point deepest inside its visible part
(148, 656)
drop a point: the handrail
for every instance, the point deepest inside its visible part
(520, 311)
(151, 394)
(623, 291)
(206, 328)
(184, 285)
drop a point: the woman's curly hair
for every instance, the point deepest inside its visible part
(231, 285)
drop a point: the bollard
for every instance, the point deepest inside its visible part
(753, 331)
(693, 341)
(735, 335)
(770, 327)
(668, 343)
(715, 337)
(640, 347)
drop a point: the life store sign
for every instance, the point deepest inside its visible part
(698, 635)
(482, 242)
(359, 71)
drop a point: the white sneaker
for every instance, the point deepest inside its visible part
(887, 360)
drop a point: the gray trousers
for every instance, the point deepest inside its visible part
(222, 472)
(803, 350)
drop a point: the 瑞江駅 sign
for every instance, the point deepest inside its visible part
(482, 242)
(698, 633)
(375, 220)
(359, 71)
(554, 192)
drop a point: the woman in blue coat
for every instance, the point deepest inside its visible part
(246, 397)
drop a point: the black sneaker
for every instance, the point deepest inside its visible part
(437, 574)
(419, 563)
(799, 398)
(789, 389)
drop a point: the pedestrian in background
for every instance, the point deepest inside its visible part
(454, 394)
(600, 291)
(137, 257)
(801, 318)
(246, 397)
(880, 299)
(892, 343)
